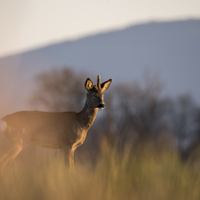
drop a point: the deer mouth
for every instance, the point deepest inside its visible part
(101, 106)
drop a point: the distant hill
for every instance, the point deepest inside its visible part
(170, 48)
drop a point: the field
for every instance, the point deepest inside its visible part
(145, 174)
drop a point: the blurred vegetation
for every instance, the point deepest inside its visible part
(59, 90)
(148, 173)
(134, 150)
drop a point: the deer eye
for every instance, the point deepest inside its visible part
(94, 96)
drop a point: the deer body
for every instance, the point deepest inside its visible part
(54, 130)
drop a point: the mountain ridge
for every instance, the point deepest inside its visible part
(128, 27)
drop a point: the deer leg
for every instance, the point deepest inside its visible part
(11, 154)
(72, 159)
(69, 156)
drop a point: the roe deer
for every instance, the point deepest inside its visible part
(55, 130)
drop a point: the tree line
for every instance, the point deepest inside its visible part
(135, 114)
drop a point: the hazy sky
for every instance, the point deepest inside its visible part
(27, 24)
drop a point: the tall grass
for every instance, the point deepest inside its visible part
(149, 174)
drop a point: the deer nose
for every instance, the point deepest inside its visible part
(102, 105)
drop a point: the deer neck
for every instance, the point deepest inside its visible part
(87, 116)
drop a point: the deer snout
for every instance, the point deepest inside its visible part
(101, 105)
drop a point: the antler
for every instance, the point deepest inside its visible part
(99, 81)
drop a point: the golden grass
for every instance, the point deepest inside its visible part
(145, 174)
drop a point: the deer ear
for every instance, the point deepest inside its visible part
(88, 84)
(105, 85)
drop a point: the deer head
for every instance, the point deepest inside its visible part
(95, 97)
